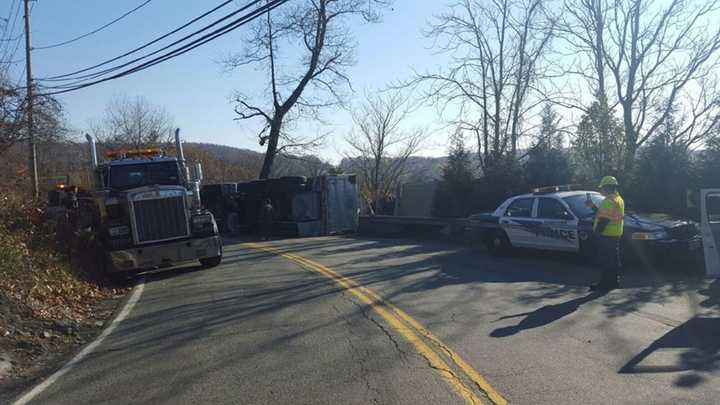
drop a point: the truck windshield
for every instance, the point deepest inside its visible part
(130, 176)
(577, 204)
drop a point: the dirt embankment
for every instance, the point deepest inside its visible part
(51, 301)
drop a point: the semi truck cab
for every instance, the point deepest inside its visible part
(147, 213)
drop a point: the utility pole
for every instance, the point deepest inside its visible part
(32, 162)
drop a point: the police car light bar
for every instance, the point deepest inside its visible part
(555, 189)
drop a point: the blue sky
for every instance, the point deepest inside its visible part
(194, 88)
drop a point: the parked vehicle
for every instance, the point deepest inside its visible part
(557, 218)
(143, 212)
(710, 213)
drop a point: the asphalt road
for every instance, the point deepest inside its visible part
(381, 321)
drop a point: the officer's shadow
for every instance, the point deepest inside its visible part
(544, 315)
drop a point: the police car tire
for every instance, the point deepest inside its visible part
(497, 243)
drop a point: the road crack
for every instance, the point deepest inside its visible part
(372, 392)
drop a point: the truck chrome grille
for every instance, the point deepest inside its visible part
(160, 219)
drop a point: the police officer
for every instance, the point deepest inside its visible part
(607, 230)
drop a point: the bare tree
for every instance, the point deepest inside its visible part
(658, 56)
(493, 82)
(380, 147)
(49, 119)
(12, 114)
(318, 29)
(136, 123)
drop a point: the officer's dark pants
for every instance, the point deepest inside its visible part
(608, 258)
(265, 230)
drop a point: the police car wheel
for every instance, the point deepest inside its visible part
(497, 243)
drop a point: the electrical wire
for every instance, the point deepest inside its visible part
(95, 75)
(184, 49)
(95, 31)
(7, 21)
(7, 45)
(12, 39)
(154, 41)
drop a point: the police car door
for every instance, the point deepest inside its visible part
(710, 209)
(558, 228)
(518, 223)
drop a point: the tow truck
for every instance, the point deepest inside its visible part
(557, 218)
(143, 211)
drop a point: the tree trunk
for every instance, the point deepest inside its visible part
(271, 151)
(630, 140)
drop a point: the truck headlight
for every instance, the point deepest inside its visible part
(116, 231)
(201, 222)
(114, 211)
(656, 235)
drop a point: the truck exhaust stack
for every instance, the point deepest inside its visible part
(179, 147)
(93, 151)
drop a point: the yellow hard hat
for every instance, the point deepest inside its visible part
(608, 181)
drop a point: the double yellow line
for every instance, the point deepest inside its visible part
(408, 328)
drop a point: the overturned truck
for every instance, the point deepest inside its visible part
(316, 206)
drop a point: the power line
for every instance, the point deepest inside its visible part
(154, 41)
(91, 76)
(182, 50)
(7, 20)
(11, 39)
(7, 45)
(95, 31)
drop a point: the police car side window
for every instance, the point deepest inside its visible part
(551, 209)
(712, 207)
(520, 208)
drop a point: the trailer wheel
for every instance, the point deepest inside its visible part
(497, 243)
(209, 262)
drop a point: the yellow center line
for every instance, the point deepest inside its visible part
(394, 317)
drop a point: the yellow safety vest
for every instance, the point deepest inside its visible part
(612, 208)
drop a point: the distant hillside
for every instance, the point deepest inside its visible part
(70, 162)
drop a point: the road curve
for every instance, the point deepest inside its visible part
(265, 328)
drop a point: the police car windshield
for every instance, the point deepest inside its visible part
(577, 204)
(123, 177)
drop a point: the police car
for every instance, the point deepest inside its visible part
(558, 218)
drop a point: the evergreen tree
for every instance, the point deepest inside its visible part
(459, 166)
(663, 173)
(598, 147)
(708, 170)
(547, 162)
(453, 197)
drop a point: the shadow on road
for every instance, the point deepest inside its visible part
(199, 307)
(544, 315)
(693, 346)
(422, 266)
(713, 295)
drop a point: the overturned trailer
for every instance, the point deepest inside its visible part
(323, 205)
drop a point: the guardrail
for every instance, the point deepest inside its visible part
(412, 226)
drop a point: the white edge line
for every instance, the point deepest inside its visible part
(134, 297)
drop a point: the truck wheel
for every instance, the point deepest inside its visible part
(209, 262)
(497, 243)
